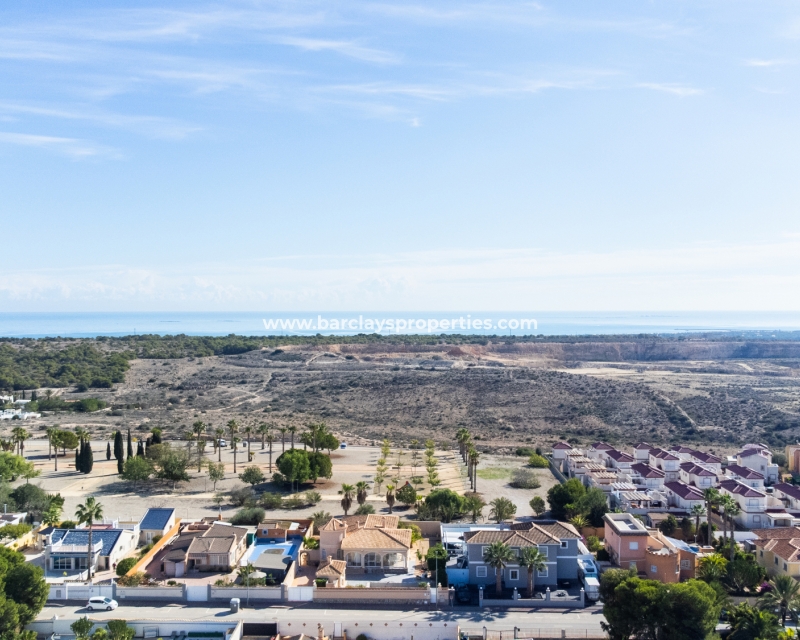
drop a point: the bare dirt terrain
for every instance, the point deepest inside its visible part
(506, 394)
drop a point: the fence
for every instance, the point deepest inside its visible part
(149, 593)
(256, 593)
(544, 634)
(375, 630)
(373, 596)
(145, 559)
(69, 591)
(556, 471)
(230, 630)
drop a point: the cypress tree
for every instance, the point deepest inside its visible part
(78, 458)
(140, 449)
(119, 450)
(82, 457)
(88, 458)
(130, 445)
(108, 451)
(120, 466)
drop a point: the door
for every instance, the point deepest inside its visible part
(197, 593)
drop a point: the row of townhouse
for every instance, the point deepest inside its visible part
(675, 479)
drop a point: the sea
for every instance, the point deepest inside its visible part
(546, 323)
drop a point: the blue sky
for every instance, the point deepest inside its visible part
(400, 155)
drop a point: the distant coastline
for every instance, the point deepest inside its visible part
(756, 325)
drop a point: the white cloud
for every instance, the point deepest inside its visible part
(674, 89)
(342, 47)
(767, 63)
(702, 276)
(72, 147)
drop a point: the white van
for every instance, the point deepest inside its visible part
(99, 603)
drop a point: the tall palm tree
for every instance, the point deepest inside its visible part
(233, 429)
(270, 439)
(235, 440)
(533, 560)
(390, 497)
(732, 512)
(347, 493)
(462, 436)
(784, 596)
(474, 458)
(262, 430)
(292, 430)
(198, 429)
(362, 490)
(725, 504)
(498, 555)
(283, 431)
(50, 432)
(87, 513)
(711, 496)
(248, 432)
(697, 511)
(20, 435)
(218, 433)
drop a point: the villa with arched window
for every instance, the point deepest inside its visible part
(367, 544)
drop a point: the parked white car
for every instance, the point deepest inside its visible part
(99, 603)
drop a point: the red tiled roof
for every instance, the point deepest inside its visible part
(740, 489)
(788, 489)
(646, 471)
(562, 445)
(685, 491)
(620, 456)
(743, 472)
(696, 469)
(663, 455)
(601, 446)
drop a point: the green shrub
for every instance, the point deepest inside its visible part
(525, 452)
(14, 531)
(248, 516)
(538, 462)
(364, 509)
(294, 503)
(271, 500)
(313, 497)
(241, 496)
(593, 544)
(125, 565)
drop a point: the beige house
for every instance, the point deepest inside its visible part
(778, 550)
(334, 571)
(218, 549)
(368, 544)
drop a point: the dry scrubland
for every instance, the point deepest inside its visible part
(506, 394)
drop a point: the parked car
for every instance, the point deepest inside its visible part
(343, 445)
(99, 603)
(223, 442)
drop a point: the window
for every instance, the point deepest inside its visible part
(632, 565)
(752, 502)
(633, 546)
(756, 518)
(483, 551)
(685, 564)
(544, 551)
(542, 574)
(785, 567)
(480, 572)
(80, 562)
(61, 564)
(372, 560)
(761, 553)
(564, 544)
(776, 562)
(653, 568)
(513, 574)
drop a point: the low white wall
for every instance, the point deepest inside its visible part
(69, 591)
(232, 629)
(378, 630)
(256, 593)
(149, 593)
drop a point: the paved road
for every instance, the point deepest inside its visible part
(575, 622)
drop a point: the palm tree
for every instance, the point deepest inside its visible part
(362, 488)
(235, 440)
(784, 596)
(533, 560)
(579, 521)
(263, 430)
(502, 509)
(725, 503)
(462, 435)
(474, 505)
(283, 431)
(248, 432)
(711, 496)
(347, 497)
(498, 555)
(712, 568)
(292, 430)
(87, 513)
(50, 432)
(390, 497)
(732, 512)
(697, 511)
(20, 435)
(218, 433)
(320, 519)
(748, 622)
(233, 429)
(198, 428)
(474, 458)
(270, 438)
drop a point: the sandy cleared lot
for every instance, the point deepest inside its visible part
(193, 499)
(494, 475)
